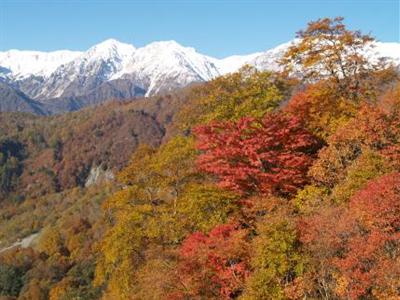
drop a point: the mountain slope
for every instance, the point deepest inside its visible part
(14, 100)
(60, 151)
(163, 66)
(86, 71)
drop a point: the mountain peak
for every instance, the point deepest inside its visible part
(110, 47)
(169, 46)
(112, 43)
(170, 43)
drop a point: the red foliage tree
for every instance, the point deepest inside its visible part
(214, 266)
(268, 156)
(361, 244)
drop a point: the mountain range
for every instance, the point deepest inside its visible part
(54, 82)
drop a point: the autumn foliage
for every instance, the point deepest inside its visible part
(321, 109)
(328, 51)
(361, 242)
(214, 265)
(264, 185)
(270, 156)
(371, 129)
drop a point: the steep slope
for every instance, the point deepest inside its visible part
(14, 100)
(163, 66)
(87, 71)
(60, 151)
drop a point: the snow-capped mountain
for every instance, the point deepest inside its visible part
(86, 71)
(112, 69)
(165, 65)
(22, 64)
(156, 67)
(233, 63)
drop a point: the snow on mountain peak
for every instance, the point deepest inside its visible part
(171, 44)
(233, 63)
(110, 48)
(24, 64)
(169, 59)
(88, 70)
(158, 66)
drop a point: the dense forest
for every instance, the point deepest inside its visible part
(256, 185)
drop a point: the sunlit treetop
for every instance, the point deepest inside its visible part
(326, 49)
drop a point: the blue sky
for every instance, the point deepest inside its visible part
(217, 28)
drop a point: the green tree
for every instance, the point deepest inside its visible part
(11, 280)
(12, 153)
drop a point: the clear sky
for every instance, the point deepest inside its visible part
(217, 28)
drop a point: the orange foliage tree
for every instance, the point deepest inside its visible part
(359, 245)
(320, 109)
(373, 128)
(326, 49)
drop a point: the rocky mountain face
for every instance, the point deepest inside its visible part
(54, 82)
(14, 100)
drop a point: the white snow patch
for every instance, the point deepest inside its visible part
(23, 64)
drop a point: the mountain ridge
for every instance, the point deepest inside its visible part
(112, 69)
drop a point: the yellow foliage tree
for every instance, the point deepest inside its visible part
(248, 92)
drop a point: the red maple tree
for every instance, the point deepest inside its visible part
(214, 265)
(268, 156)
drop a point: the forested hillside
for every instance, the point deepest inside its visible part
(255, 185)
